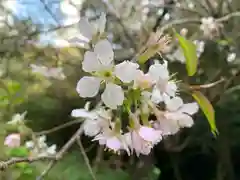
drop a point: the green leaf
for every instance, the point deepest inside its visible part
(13, 86)
(207, 109)
(18, 152)
(146, 55)
(190, 53)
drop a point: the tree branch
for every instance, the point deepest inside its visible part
(5, 164)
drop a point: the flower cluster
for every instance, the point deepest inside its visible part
(210, 27)
(124, 87)
(40, 148)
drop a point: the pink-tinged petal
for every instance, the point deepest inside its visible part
(168, 125)
(150, 134)
(13, 140)
(114, 144)
(189, 108)
(88, 86)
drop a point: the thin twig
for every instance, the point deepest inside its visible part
(229, 16)
(179, 22)
(58, 127)
(196, 21)
(205, 86)
(85, 157)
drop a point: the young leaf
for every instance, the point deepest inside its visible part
(18, 152)
(190, 53)
(207, 109)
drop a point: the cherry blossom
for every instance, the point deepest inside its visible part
(40, 148)
(13, 140)
(141, 139)
(112, 139)
(17, 119)
(100, 63)
(210, 27)
(176, 116)
(164, 88)
(95, 120)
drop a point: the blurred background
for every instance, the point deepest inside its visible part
(40, 31)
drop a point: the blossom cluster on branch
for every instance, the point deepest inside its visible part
(126, 88)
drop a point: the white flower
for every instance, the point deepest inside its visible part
(209, 27)
(100, 63)
(231, 57)
(95, 121)
(177, 115)
(164, 88)
(17, 119)
(41, 148)
(29, 144)
(51, 150)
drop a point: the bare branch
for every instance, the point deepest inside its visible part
(5, 164)
(62, 126)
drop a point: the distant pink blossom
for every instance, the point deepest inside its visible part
(13, 140)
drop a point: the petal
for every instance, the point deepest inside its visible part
(150, 134)
(126, 71)
(127, 138)
(114, 143)
(174, 104)
(84, 114)
(113, 96)
(158, 71)
(86, 29)
(185, 120)
(88, 86)
(171, 88)
(100, 138)
(189, 108)
(91, 127)
(156, 96)
(168, 126)
(102, 23)
(90, 62)
(104, 52)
